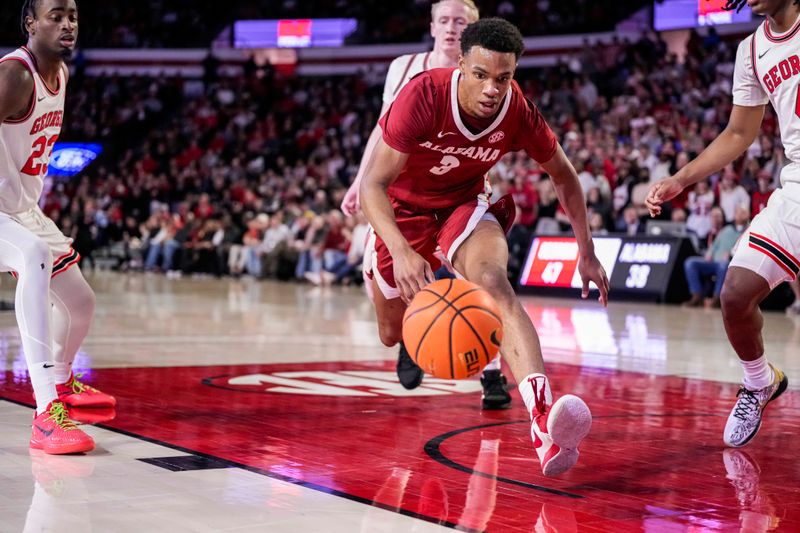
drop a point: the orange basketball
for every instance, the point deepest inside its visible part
(452, 329)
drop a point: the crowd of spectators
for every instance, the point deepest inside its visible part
(117, 110)
(143, 24)
(245, 178)
(192, 24)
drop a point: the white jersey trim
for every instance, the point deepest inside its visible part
(50, 91)
(457, 115)
(781, 37)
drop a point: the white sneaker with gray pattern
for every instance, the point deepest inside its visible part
(745, 418)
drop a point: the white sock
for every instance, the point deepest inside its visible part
(43, 379)
(63, 371)
(757, 374)
(526, 390)
(494, 364)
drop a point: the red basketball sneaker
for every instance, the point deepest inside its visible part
(77, 394)
(557, 430)
(56, 434)
(92, 415)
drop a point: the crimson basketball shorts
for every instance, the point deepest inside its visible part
(434, 234)
(771, 244)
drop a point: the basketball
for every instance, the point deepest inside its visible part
(452, 329)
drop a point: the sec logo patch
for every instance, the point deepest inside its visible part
(498, 136)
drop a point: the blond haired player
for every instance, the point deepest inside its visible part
(448, 20)
(54, 304)
(767, 70)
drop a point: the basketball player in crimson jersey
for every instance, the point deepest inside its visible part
(448, 20)
(54, 304)
(425, 187)
(767, 69)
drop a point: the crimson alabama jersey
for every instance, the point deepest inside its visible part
(447, 160)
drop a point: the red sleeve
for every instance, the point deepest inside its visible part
(408, 119)
(536, 137)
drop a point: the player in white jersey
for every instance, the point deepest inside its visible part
(448, 20)
(54, 304)
(767, 70)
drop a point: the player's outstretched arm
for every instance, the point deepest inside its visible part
(570, 194)
(351, 203)
(740, 133)
(16, 89)
(411, 271)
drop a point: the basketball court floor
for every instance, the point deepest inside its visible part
(254, 406)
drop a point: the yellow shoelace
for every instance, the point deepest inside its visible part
(78, 387)
(59, 415)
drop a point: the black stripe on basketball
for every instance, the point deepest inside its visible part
(449, 305)
(474, 331)
(441, 298)
(482, 309)
(450, 346)
(488, 312)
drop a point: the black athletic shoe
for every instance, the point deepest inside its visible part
(409, 374)
(495, 393)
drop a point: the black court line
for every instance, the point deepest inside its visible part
(184, 463)
(280, 477)
(433, 449)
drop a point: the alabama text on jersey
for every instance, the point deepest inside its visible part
(447, 161)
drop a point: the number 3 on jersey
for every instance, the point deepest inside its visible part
(447, 164)
(41, 145)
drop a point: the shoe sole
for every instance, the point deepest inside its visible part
(493, 406)
(416, 372)
(92, 415)
(89, 404)
(782, 386)
(63, 450)
(413, 384)
(69, 402)
(568, 424)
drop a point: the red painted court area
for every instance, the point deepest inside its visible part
(654, 460)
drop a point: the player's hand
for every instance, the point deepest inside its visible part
(350, 203)
(590, 269)
(661, 192)
(411, 273)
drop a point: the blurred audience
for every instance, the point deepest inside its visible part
(242, 177)
(713, 266)
(186, 24)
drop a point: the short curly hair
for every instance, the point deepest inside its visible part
(28, 10)
(495, 34)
